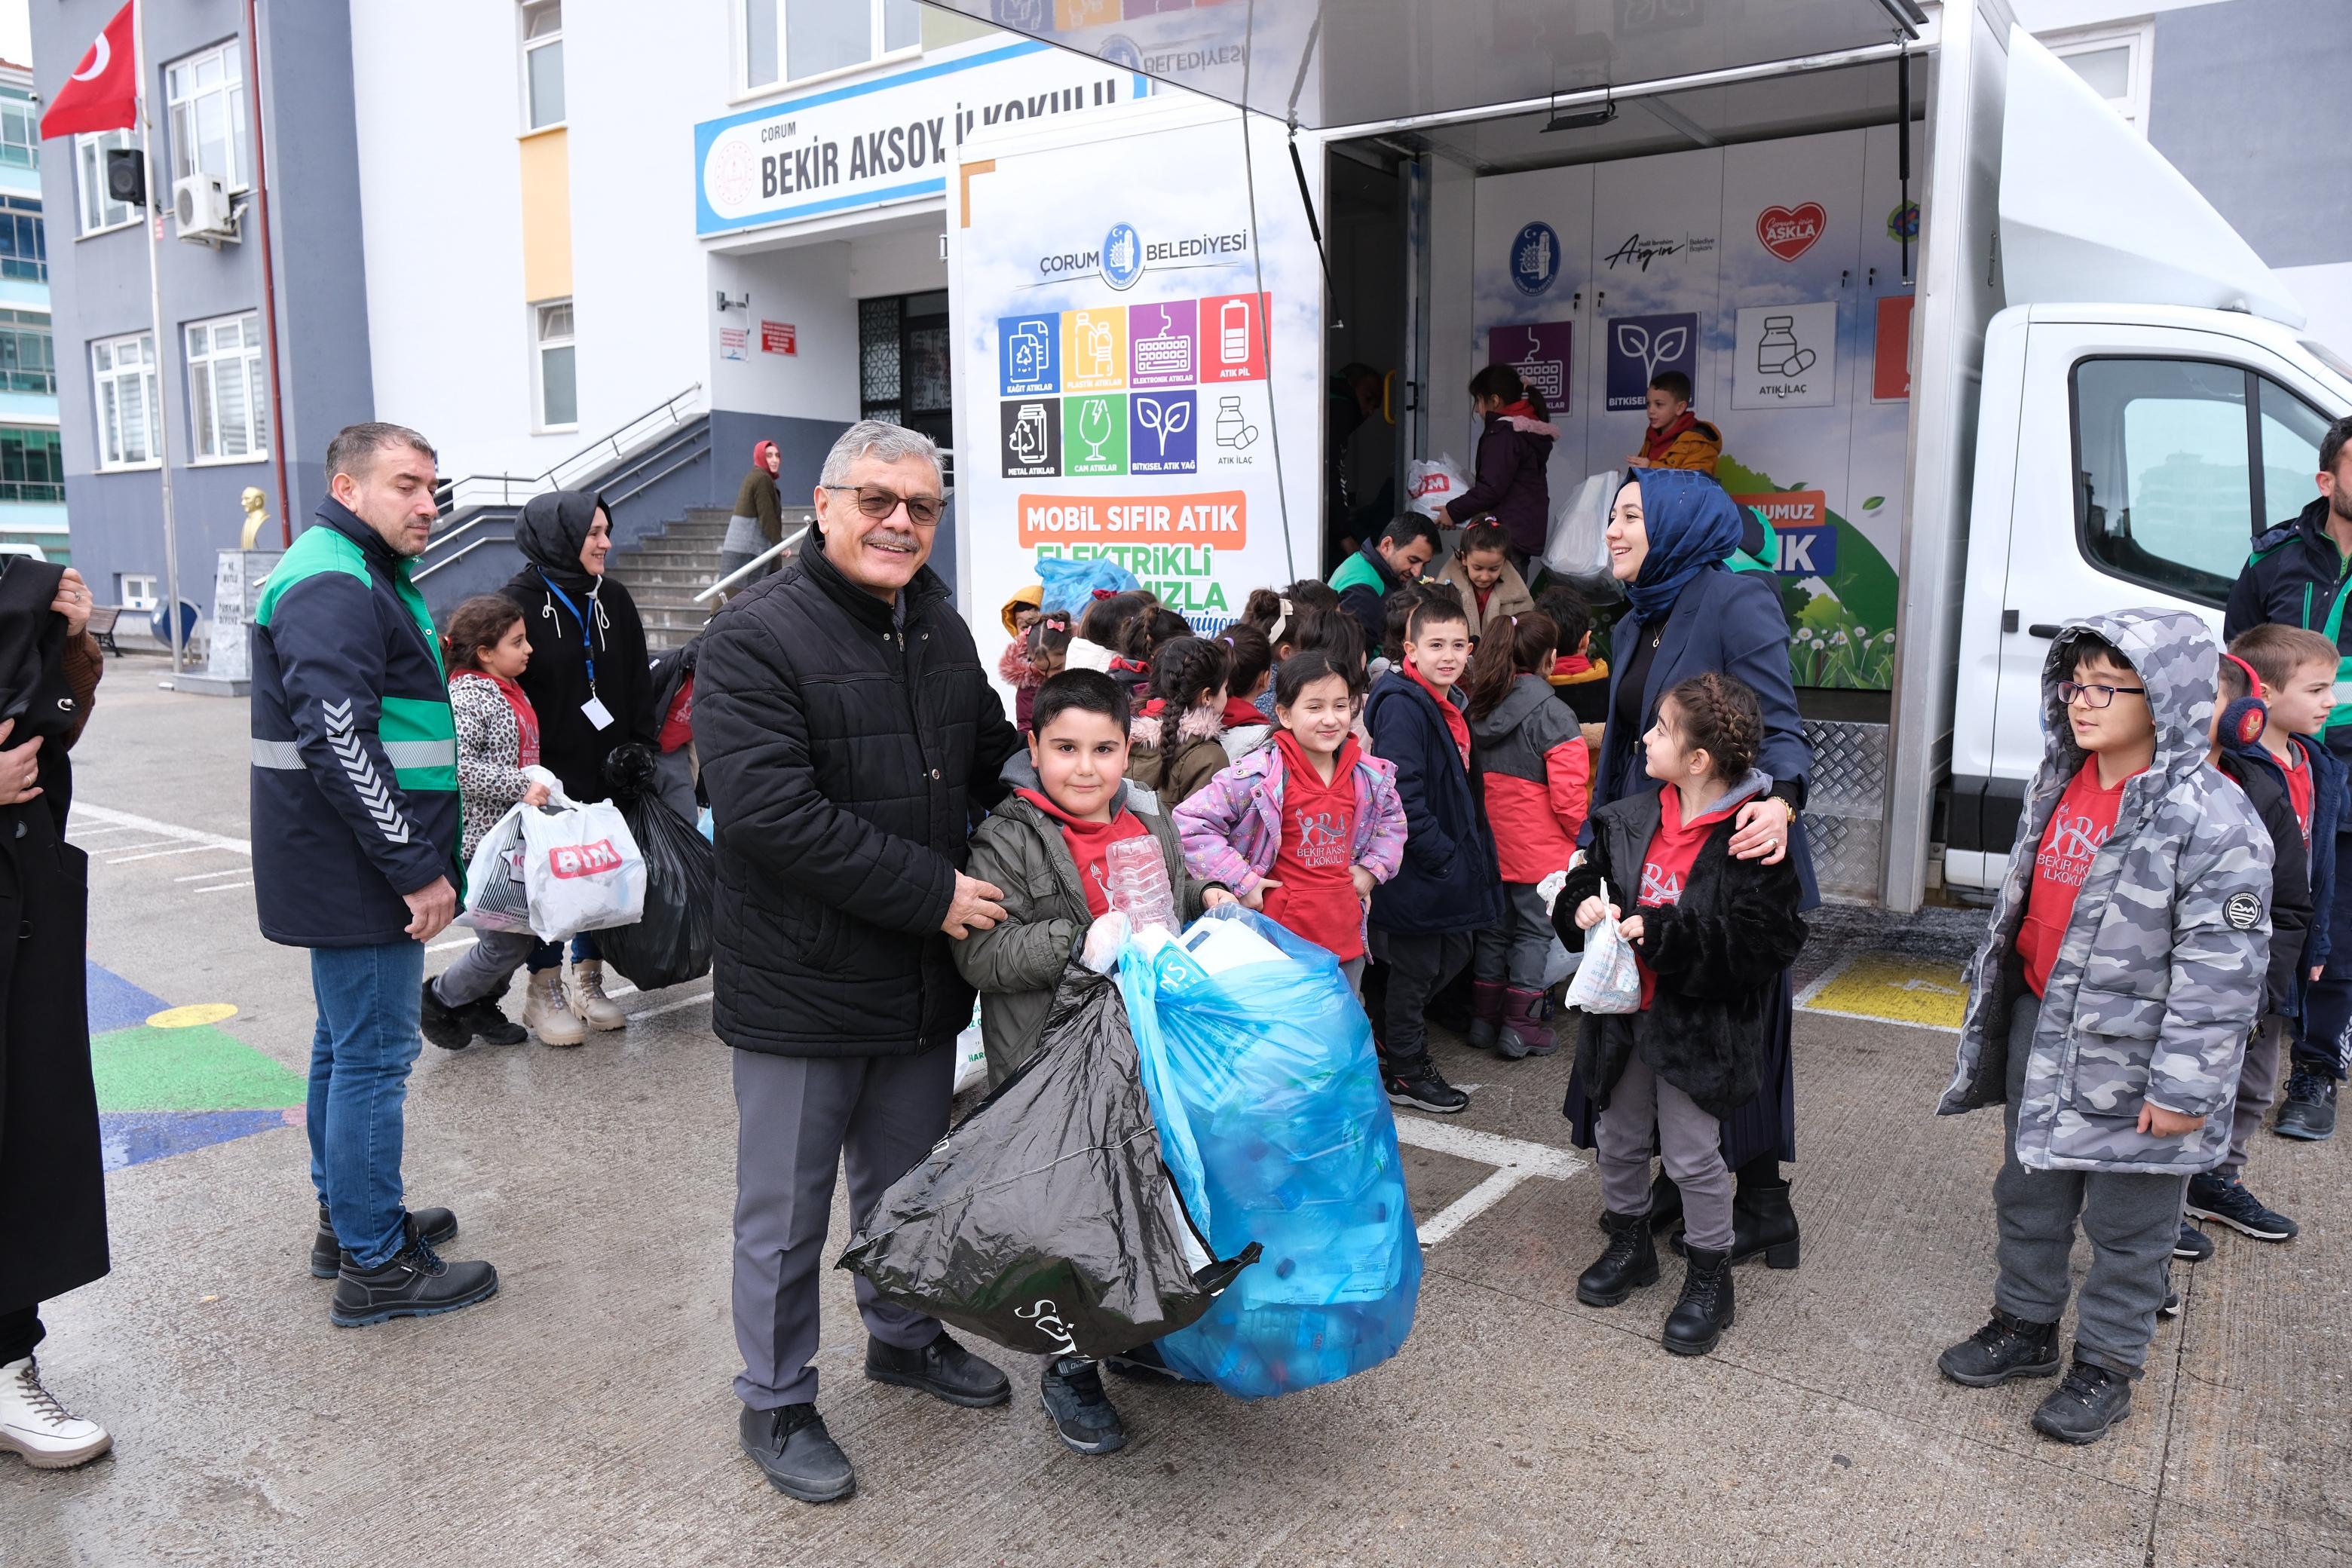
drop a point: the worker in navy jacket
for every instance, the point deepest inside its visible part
(355, 837)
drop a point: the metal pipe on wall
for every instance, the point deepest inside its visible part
(268, 270)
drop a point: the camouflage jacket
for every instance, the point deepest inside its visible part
(2160, 973)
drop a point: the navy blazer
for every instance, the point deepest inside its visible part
(1731, 622)
(1450, 881)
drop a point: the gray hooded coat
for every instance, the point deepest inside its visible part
(2160, 973)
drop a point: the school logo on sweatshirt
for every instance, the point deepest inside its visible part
(1322, 838)
(2070, 845)
(1659, 886)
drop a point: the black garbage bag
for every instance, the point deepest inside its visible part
(670, 942)
(1045, 1220)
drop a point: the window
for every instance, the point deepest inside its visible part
(99, 211)
(2167, 491)
(786, 40)
(122, 378)
(136, 589)
(228, 400)
(903, 363)
(28, 360)
(558, 388)
(542, 64)
(24, 239)
(20, 134)
(2115, 62)
(206, 92)
(32, 468)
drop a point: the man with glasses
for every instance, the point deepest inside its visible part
(2297, 576)
(847, 730)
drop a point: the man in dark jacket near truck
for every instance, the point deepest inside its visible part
(355, 841)
(2297, 576)
(845, 729)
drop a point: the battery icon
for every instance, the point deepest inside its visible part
(1233, 333)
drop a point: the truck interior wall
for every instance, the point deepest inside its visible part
(1960, 291)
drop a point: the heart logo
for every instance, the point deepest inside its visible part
(1790, 232)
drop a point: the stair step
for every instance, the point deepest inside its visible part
(669, 597)
(672, 558)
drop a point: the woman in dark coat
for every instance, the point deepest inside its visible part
(588, 681)
(52, 1180)
(1668, 536)
(1514, 449)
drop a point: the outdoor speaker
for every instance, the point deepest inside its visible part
(126, 175)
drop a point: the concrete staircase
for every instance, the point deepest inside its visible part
(666, 568)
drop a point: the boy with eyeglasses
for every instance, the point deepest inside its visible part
(2109, 1004)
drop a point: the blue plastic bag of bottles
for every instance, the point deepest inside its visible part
(1069, 585)
(1273, 1122)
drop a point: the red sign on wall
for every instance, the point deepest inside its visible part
(1890, 359)
(779, 338)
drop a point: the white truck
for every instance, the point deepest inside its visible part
(2108, 394)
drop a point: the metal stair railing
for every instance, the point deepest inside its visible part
(474, 491)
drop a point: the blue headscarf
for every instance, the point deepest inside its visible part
(1692, 524)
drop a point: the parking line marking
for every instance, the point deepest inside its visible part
(224, 887)
(1514, 1159)
(445, 946)
(159, 854)
(677, 1006)
(168, 829)
(207, 876)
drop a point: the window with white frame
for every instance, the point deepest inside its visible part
(787, 40)
(99, 211)
(20, 134)
(228, 402)
(122, 380)
(2116, 61)
(136, 589)
(207, 93)
(542, 64)
(558, 385)
(27, 354)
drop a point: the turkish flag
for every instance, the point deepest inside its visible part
(102, 94)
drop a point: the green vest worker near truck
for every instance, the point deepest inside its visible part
(355, 836)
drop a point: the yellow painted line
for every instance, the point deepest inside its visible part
(1920, 992)
(188, 1017)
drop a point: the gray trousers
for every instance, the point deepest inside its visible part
(1352, 970)
(485, 968)
(1688, 1139)
(799, 1119)
(2132, 1219)
(2258, 1083)
(1515, 950)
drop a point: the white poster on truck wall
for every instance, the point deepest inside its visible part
(1138, 362)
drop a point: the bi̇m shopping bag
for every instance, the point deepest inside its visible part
(1274, 1125)
(1045, 1221)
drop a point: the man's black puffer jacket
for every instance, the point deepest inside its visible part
(844, 756)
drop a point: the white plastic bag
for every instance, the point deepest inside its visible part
(496, 895)
(1432, 484)
(581, 867)
(1578, 547)
(1608, 980)
(1559, 964)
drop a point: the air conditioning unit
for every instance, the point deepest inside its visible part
(201, 209)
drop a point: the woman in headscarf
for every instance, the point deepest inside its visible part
(758, 520)
(1669, 534)
(589, 683)
(52, 1183)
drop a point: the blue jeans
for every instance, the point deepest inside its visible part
(550, 954)
(367, 1039)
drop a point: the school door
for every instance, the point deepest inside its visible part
(902, 363)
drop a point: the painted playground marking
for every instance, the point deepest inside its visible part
(1514, 1159)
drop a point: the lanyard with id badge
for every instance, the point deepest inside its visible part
(593, 709)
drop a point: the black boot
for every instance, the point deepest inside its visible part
(1704, 1310)
(440, 1023)
(2004, 1348)
(436, 1228)
(489, 1024)
(943, 1368)
(1419, 1085)
(1763, 1223)
(1630, 1260)
(413, 1283)
(796, 1454)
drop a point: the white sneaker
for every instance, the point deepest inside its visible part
(32, 1423)
(589, 1002)
(547, 1014)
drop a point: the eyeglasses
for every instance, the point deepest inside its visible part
(2095, 696)
(923, 511)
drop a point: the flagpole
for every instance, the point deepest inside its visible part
(153, 221)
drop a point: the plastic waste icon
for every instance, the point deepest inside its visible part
(1232, 429)
(1778, 352)
(1094, 341)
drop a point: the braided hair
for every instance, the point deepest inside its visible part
(1720, 716)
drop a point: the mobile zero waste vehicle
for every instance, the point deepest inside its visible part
(1986, 360)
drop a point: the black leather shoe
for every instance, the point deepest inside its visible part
(1631, 1260)
(1084, 1417)
(443, 1025)
(2081, 1409)
(436, 1227)
(943, 1368)
(1705, 1308)
(489, 1024)
(413, 1283)
(796, 1454)
(1763, 1225)
(2004, 1348)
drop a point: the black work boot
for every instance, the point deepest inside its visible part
(1763, 1225)
(2005, 1348)
(412, 1283)
(2082, 1408)
(1704, 1310)
(943, 1368)
(436, 1227)
(1630, 1260)
(1084, 1417)
(796, 1454)
(489, 1024)
(443, 1025)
